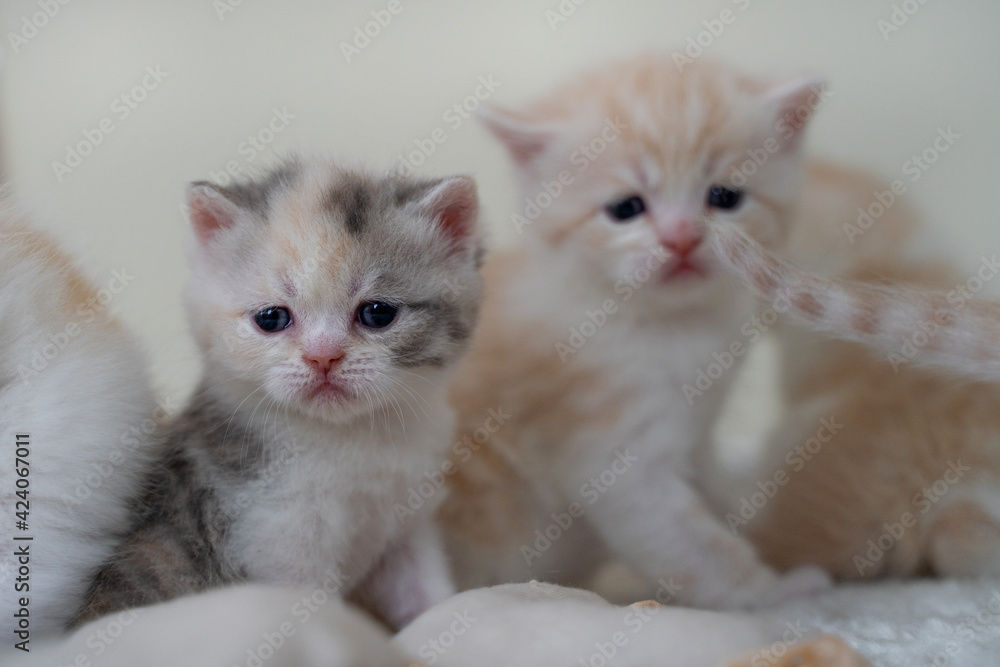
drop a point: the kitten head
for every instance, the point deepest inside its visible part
(620, 167)
(334, 292)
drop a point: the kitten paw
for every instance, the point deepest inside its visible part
(822, 651)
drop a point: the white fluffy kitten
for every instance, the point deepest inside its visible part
(74, 382)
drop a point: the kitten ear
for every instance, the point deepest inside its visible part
(211, 211)
(524, 139)
(793, 103)
(454, 205)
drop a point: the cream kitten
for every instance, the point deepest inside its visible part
(581, 431)
(910, 485)
(74, 401)
(330, 306)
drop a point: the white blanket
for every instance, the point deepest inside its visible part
(909, 624)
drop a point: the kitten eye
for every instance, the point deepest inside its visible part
(626, 209)
(376, 314)
(273, 318)
(723, 197)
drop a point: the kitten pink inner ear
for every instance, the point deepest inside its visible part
(525, 141)
(210, 211)
(454, 204)
(794, 103)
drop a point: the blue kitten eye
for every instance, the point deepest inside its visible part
(723, 197)
(376, 314)
(626, 209)
(273, 318)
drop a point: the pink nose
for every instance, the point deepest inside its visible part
(681, 237)
(323, 362)
(682, 245)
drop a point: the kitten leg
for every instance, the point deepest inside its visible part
(661, 528)
(411, 577)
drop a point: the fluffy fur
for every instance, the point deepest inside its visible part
(910, 484)
(74, 380)
(286, 466)
(594, 331)
(961, 331)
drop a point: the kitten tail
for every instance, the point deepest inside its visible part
(909, 325)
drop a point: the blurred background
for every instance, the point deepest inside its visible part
(107, 108)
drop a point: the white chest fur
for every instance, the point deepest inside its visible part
(323, 508)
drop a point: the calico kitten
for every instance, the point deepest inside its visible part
(73, 395)
(597, 324)
(330, 306)
(910, 485)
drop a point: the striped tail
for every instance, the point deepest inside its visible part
(910, 325)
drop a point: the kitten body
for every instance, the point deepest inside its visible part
(597, 324)
(287, 464)
(73, 381)
(909, 484)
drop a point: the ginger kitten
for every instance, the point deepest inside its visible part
(74, 400)
(330, 306)
(910, 485)
(597, 324)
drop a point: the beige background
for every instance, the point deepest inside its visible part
(120, 207)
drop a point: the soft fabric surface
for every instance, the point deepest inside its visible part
(909, 624)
